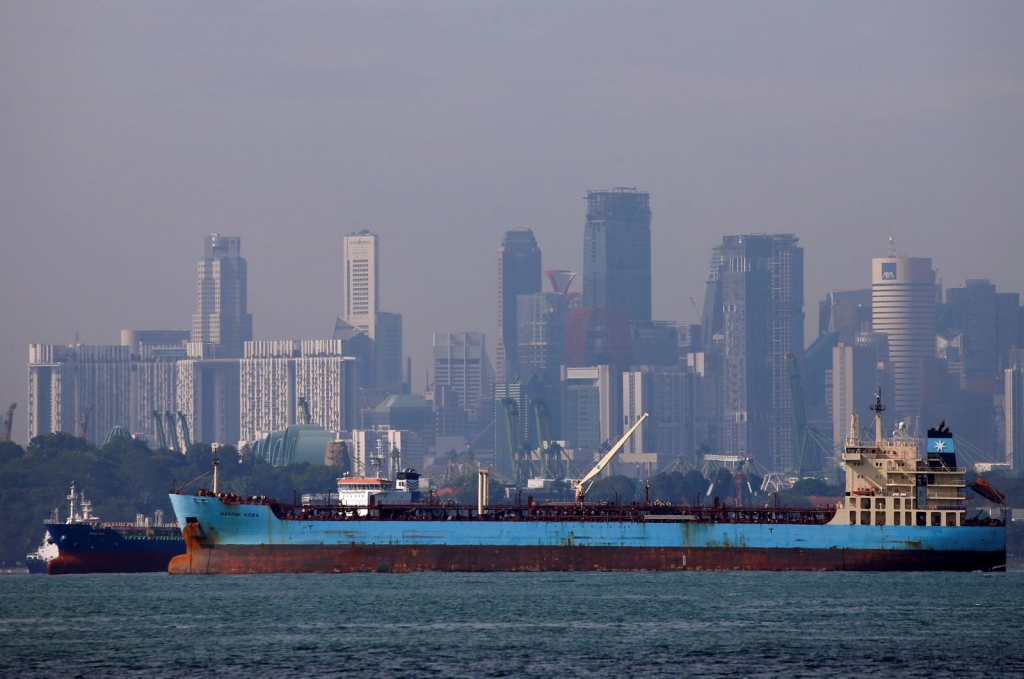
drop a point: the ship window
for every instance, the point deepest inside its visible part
(865, 503)
(896, 503)
(907, 517)
(936, 518)
(853, 518)
(921, 519)
(950, 518)
(879, 518)
(896, 518)
(879, 503)
(865, 518)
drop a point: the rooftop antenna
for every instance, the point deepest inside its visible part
(892, 247)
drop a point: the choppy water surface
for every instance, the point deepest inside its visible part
(511, 624)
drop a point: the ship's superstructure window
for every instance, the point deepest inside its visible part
(921, 520)
(896, 518)
(865, 518)
(879, 518)
(908, 518)
(853, 518)
(880, 503)
(895, 503)
(865, 503)
(950, 518)
(936, 518)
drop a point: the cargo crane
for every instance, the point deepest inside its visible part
(304, 417)
(186, 437)
(172, 431)
(519, 451)
(551, 453)
(83, 422)
(582, 487)
(8, 422)
(160, 429)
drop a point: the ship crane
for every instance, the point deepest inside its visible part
(8, 422)
(582, 486)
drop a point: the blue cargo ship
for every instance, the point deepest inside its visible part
(902, 511)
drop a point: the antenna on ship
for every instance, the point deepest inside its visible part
(877, 409)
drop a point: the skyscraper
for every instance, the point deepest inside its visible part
(360, 285)
(223, 318)
(518, 274)
(1013, 405)
(903, 307)
(461, 363)
(617, 252)
(755, 291)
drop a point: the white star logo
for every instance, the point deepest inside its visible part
(940, 446)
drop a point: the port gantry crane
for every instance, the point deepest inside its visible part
(582, 486)
(8, 422)
(83, 423)
(304, 417)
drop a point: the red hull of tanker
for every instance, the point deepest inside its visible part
(239, 559)
(108, 562)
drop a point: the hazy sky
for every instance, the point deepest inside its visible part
(130, 130)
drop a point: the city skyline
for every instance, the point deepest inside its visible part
(123, 147)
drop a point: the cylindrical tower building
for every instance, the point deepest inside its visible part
(903, 307)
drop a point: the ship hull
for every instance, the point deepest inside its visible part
(235, 539)
(87, 548)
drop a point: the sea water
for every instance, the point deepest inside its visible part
(514, 625)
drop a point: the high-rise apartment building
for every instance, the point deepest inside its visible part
(360, 285)
(519, 271)
(903, 307)
(273, 376)
(208, 394)
(154, 381)
(223, 318)
(617, 252)
(78, 386)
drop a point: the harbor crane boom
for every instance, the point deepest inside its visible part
(582, 486)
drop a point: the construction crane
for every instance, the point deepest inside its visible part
(582, 486)
(186, 437)
(83, 422)
(696, 310)
(172, 431)
(304, 417)
(160, 429)
(807, 439)
(469, 446)
(551, 453)
(8, 422)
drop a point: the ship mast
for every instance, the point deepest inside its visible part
(877, 409)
